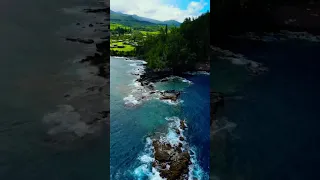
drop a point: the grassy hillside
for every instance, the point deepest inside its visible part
(129, 32)
(114, 26)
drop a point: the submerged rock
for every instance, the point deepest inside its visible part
(183, 125)
(170, 95)
(154, 75)
(172, 160)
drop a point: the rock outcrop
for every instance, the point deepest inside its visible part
(172, 161)
(170, 95)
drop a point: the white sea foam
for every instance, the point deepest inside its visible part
(138, 92)
(171, 102)
(129, 60)
(118, 57)
(141, 171)
(198, 73)
(137, 71)
(195, 171)
(178, 78)
(239, 59)
(172, 137)
(156, 175)
(146, 158)
(131, 100)
(283, 35)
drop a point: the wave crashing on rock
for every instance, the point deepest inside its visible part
(169, 155)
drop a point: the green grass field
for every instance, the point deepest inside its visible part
(150, 32)
(115, 25)
(126, 47)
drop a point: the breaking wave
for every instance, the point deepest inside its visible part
(146, 158)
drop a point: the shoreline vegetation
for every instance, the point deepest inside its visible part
(179, 49)
(258, 22)
(169, 51)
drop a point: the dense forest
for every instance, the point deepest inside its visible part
(178, 48)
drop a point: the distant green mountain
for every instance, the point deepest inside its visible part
(172, 23)
(134, 20)
(169, 22)
(128, 20)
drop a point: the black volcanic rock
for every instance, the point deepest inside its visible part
(170, 94)
(178, 160)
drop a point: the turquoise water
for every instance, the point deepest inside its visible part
(135, 116)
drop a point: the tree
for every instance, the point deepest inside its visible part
(180, 49)
(137, 35)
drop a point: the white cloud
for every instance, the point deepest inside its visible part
(157, 9)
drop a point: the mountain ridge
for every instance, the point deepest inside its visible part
(119, 15)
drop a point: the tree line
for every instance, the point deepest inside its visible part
(121, 31)
(180, 48)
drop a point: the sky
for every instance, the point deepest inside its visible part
(162, 9)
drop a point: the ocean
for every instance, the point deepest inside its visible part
(277, 119)
(136, 117)
(39, 74)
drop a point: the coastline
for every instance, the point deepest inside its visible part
(172, 159)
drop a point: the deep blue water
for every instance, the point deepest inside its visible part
(196, 108)
(278, 119)
(130, 126)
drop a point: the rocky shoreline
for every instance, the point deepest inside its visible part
(172, 160)
(150, 76)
